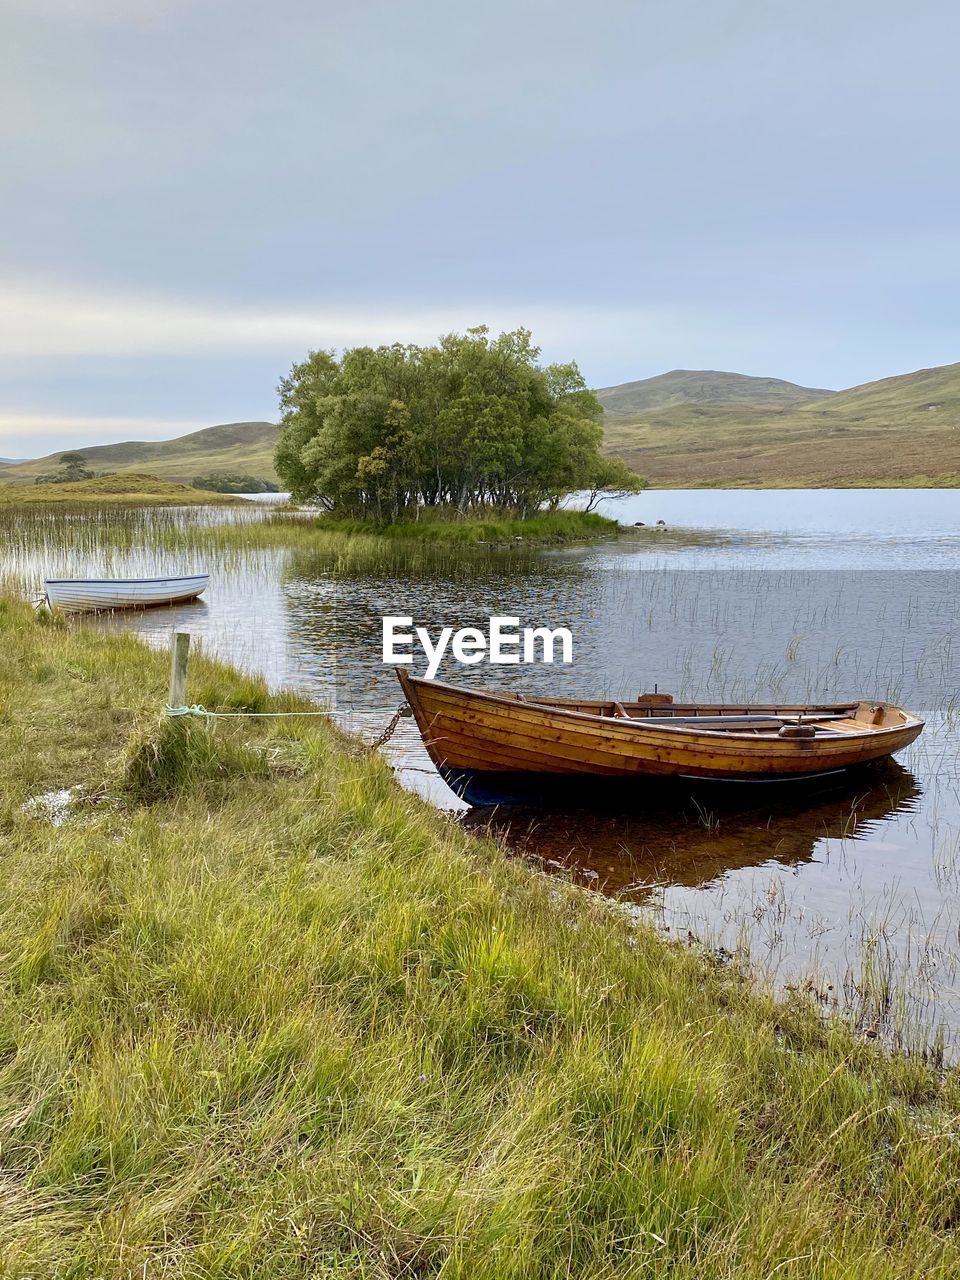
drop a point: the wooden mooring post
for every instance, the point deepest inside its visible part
(179, 652)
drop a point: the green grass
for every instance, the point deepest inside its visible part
(899, 432)
(345, 547)
(126, 489)
(362, 544)
(264, 1014)
(546, 527)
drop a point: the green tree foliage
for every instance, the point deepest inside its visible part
(233, 482)
(610, 478)
(471, 424)
(72, 467)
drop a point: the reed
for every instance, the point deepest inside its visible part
(266, 1014)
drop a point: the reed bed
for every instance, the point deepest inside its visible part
(237, 539)
(266, 1014)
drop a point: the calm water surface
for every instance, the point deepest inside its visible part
(802, 595)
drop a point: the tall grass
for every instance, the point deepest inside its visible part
(65, 540)
(547, 526)
(264, 1014)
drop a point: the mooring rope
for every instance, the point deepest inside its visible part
(198, 710)
(201, 712)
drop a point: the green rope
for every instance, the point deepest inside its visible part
(197, 710)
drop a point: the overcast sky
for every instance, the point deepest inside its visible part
(194, 193)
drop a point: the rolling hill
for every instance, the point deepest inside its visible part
(245, 447)
(680, 433)
(899, 431)
(127, 488)
(704, 386)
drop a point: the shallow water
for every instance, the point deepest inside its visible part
(855, 888)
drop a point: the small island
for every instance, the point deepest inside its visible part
(128, 488)
(471, 439)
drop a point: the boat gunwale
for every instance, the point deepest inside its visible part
(123, 582)
(408, 683)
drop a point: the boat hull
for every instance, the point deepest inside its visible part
(489, 788)
(84, 595)
(495, 745)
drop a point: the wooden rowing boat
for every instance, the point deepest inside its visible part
(491, 748)
(87, 594)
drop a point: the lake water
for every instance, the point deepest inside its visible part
(819, 528)
(793, 595)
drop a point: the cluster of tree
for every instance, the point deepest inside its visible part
(72, 467)
(233, 482)
(472, 424)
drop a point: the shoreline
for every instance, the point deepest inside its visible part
(244, 968)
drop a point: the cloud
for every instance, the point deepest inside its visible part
(37, 320)
(81, 364)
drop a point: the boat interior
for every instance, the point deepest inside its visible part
(788, 720)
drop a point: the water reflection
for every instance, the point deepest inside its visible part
(693, 840)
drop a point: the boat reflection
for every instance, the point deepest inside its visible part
(691, 841)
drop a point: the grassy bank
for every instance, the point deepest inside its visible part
(128, 489)
(544, 528)
(264, 1014)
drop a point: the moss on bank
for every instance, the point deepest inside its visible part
(265, 1014)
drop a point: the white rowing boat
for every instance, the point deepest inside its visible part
(77, 595)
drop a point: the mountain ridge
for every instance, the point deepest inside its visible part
(704, 386)
(898, 431)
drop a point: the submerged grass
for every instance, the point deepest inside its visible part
(79, 540)
(350, 544)
(264, 1014)
(365, 540)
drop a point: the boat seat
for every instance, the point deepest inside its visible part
(714, 722)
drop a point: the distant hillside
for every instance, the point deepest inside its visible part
(767, 433)
(235, 446)
(899, 431)
(704, 386)
(128, 488)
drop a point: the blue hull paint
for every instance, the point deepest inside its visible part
(484, 788)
